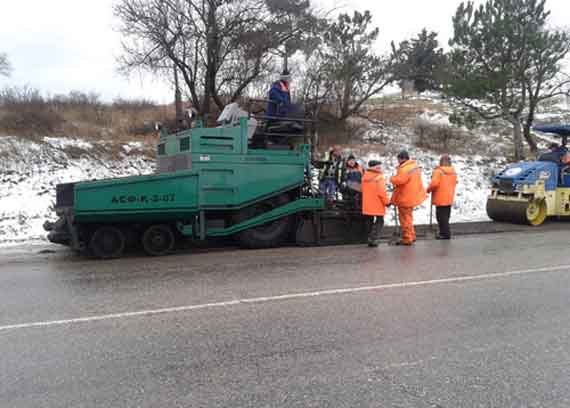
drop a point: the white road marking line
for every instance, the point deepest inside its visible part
(289, 296)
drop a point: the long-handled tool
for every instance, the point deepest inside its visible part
(431, 215)
(396, 232)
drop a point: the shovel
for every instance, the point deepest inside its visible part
(431, 215)
(396, 233)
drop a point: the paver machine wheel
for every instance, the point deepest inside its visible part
(107, 242)
(158, 240)
(268, 235)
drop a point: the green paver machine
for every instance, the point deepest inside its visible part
(209, 182)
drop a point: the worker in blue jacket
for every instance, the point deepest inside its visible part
(280, 97)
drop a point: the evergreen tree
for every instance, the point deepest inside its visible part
(497, 49)
(355, 73)
(420, 60)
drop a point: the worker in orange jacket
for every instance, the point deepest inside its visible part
(442, 189)
(374, 200)
(408, 193)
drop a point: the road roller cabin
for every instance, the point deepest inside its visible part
(242, 179)
(530, 192)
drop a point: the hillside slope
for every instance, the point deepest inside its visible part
(31, 168)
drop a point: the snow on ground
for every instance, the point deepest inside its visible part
(474, 171)
(435, 118)
(62, 143)
(133, 147)
(29, 172)
(473, 186)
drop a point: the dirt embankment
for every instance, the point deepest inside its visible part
(26, 113)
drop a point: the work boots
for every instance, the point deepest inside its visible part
(375, 230)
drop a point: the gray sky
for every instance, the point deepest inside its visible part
(61, 45)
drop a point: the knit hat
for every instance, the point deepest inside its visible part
(445, 160)
(374, 163)
(404, 155)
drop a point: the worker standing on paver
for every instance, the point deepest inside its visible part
(280, 96)
(352, 174)
(374, 200)
(442, 189)
(408, 193)
(330, 175)
(351, 186)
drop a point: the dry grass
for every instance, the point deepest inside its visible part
(26, 113)
(333, 132)
(396, 112)
(438, 138)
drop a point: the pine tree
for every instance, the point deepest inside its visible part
(355, 72)
(420, 60)
(497, 51)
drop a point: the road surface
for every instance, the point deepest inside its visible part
(480, 321)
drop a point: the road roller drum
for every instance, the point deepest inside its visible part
(532, 212)
(507, 211)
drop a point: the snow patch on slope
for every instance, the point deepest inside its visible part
(473, 186)
(29, 172)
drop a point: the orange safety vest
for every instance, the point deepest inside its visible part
(284, 86)
(409, 190)
(442, 186)
(374, 196)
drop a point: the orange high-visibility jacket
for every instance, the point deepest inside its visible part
(409, 189)
(374, 196)
(442, 186)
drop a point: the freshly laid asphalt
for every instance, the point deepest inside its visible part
(479, 321)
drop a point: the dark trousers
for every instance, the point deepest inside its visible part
(375, 225)
(442, 214)
(328, 187)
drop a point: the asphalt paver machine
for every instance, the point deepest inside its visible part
(241, 179)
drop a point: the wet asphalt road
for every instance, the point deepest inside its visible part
(456, 337)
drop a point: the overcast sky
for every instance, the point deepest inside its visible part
(62, 45)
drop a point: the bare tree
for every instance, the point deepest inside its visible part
(5, 67)
(314, 86)
(220, 47)
(544, 79)
(202, 38)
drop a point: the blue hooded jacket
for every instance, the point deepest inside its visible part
(280, 99)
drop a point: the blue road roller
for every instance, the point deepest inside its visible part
(531, 191)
